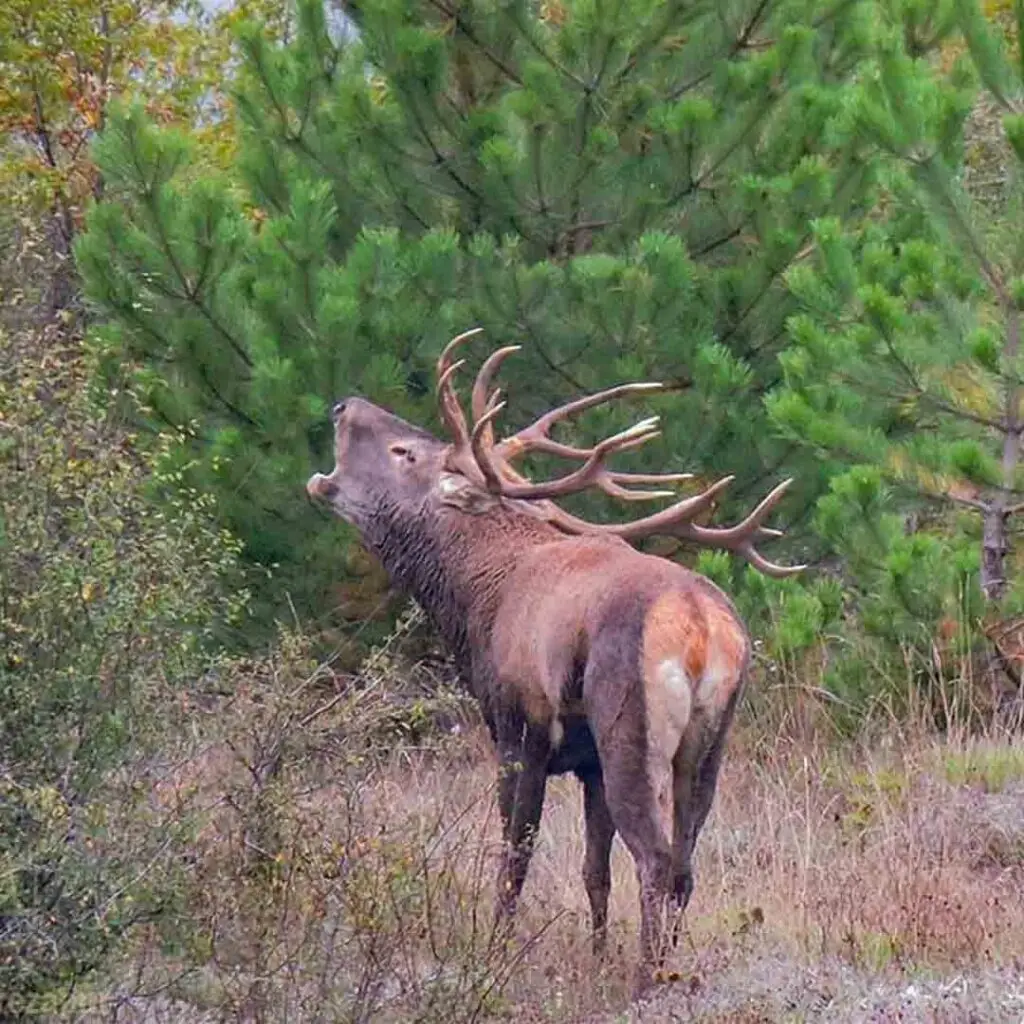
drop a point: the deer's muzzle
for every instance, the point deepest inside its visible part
(320, 486)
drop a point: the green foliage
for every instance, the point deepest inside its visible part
(620, 191)
(107, 604)
(985, 765)
(904, 358)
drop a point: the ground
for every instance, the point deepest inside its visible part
(876, 877)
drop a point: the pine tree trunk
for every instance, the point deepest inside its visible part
(994, 540)
(994, 547)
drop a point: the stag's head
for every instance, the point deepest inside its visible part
(381, 461)
(378, 458)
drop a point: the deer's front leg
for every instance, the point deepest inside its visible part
(521, 782)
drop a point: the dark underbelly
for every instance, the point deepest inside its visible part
(577, 751)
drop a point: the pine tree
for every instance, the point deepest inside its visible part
(617, 186)
(905, 359)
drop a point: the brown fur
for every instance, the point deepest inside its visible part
(586, 656)
(672, 627)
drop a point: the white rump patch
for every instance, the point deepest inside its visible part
(669, 703)
(677, 697)
(669, 700)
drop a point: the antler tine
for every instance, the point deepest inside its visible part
(445, 379)
(614, 488)
(751, 525)
(535, 436)
(450, 407)
(742, 537)
(653, 478)
(448, 401)
(480, 400)
(483, 452)
(677, 521)
(591, 473)
(476, 452)
(493, 459)
(550, 447)
(663, 522)
(762, 564)
(494, 467)
(445, 357)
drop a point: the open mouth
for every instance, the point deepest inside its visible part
(320, 486)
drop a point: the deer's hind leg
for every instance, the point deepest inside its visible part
(636, 763)
(637, 808)
(695, 770)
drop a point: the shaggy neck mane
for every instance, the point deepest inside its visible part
(453, 562)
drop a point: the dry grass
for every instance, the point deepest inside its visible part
(352, 884)
(812, 854)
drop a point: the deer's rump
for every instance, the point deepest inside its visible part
(651, 630)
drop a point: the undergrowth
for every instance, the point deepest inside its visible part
(342, 834)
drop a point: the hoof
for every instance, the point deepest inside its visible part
(647, 981)
(666, 977)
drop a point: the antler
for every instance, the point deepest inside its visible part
(494, 459)
(460, 457)
(477, 452)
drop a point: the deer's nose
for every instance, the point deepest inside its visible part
(339, 408)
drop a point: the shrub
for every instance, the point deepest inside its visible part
(107, 604)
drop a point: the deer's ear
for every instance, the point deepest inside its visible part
(457, 491)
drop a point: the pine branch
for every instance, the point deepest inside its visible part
(540, 51)
(758, 115)
(646, 45)
(440, 160)
(741, 43)
(525, 328)
(486, 52)
(207, 250)
(403, 202)
(536, 136)
(1012, 441)
(929, 166)
(586, 111)
(132, 316)
(710, 247)
(149, 201)
(918, 392)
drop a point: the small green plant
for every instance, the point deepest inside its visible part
(991, 767)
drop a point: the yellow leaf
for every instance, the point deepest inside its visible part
(552, 12)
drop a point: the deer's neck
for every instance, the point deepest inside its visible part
(454, 563)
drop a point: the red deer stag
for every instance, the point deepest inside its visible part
(584, 654)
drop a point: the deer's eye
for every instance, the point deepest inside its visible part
(401, 452)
